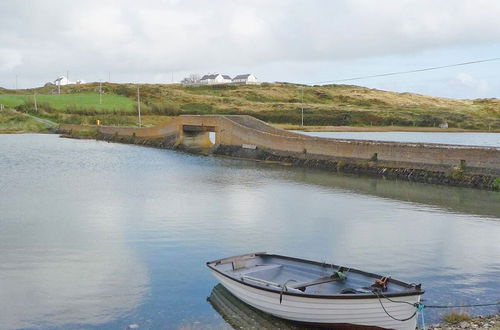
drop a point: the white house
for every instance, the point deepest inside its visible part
(213, 79)
(245, 79)
(62, 81)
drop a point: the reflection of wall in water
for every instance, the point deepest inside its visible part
(456, 199)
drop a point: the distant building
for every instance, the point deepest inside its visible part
(245, 79)
(62, 81)
(443, 125)
(219, 79)
(214, 79)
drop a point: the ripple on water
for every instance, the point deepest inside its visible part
(94, 234)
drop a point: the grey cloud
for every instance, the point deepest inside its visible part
(41, 38)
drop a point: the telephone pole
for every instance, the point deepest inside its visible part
(34, 97)
(139, 106)
(302, 112)
(100, 91)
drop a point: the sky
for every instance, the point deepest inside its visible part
(301, 41)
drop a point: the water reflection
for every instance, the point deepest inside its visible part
(454, 199)
(102, 235)
(242, 316)
(63, 256)
(52, 288)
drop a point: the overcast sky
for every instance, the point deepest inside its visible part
(303, 41)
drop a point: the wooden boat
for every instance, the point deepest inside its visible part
(318, 293)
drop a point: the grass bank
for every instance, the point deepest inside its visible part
(278, 103)
(14, 122)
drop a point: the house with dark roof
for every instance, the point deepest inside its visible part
(245, 79)
(216, 78)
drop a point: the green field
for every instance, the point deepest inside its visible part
(278, 103)
(65, 101)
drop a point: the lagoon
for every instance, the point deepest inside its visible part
(456, 138)
(103, 235)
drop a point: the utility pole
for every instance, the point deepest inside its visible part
(34, 97)
(16, 82)
(139, 105)
(302, 112)
(100, 91)
(67, 76)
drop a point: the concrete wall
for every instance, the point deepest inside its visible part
(246, 130)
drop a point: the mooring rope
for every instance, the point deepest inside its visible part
(460, 306)
(419, 307)
(396, 301)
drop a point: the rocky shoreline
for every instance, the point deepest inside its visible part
(481, 322)
(371, 168)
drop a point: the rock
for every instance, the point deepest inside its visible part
(464, 325)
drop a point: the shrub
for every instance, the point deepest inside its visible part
(456, 317)
(496, 184)
(197, 108)
(29, 105)
(85, 133)
(167, 109)
(125, 90)
(457, 173)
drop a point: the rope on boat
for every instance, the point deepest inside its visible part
(396, 301)
(283, 288)
(419, 307)
(460, 306)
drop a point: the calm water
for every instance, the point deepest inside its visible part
(473, 139)
(102, 235)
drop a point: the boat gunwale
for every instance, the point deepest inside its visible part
(415, 291)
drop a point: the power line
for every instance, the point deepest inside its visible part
(410, 71)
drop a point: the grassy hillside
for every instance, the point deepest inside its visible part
(14, 122)
(332, 105)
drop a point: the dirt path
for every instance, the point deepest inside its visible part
(43, 121)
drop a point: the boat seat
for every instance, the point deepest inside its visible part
(259, 268)
(303, 285)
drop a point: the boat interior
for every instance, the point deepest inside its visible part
(286, 274)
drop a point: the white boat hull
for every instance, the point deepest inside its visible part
(362, 312)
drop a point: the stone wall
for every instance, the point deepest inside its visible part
(238, 131)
